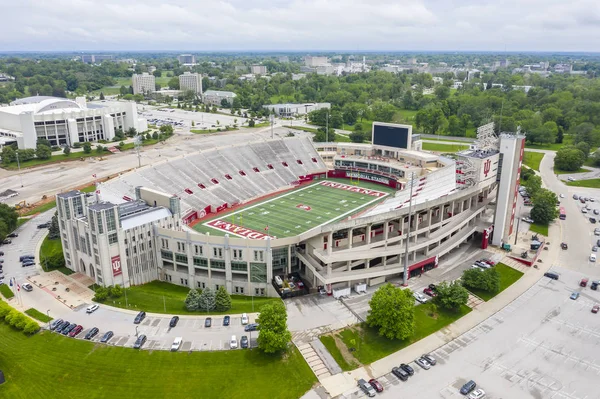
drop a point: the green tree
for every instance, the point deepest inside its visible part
(31, 327)
(54, 231)
(174, 83)
(8, 220)
(101, 294)
(486, 280)
(251, 123)
(451, 295)
(67, 151)
(43, 152)
(533, 184)
(584, 148)
(357, 136)
(87, 148)
(101, 96)
(442, 92)
(192, 300)
(431, 119)
(155, 135)
(544, 207)
(569, 159)
(99, 149)
(274, 335)
(392, 312)
(454, 127)
(8, 155)
(115, 291)
(206, 300)
(222, 299)
(166, 130)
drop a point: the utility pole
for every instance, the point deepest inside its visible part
(137, 142)
(19, 166)
(272, 121)
(405, 274)
(327, 127)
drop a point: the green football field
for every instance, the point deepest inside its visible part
(297, 211)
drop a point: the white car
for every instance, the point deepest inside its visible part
(583, 210)
(92, 308)
(244, 318)
(176, 344)
(233, 342)
(592, 257)
(527, 220)
(562, 196)
(570, 178)
(27, 287)
(420, 297)
(477, 394)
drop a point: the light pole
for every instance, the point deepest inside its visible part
(19, 166)
(136, 331)
(48, 314)
(327, 127)
(404, 275)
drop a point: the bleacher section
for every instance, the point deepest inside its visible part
(425, 188)
(223, 175)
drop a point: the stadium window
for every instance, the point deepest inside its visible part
(202, 186)
(269, 166)
(242, 173)
(228, 177)
(284, 164)
(214, 181)
(258, 256)
(126, 251)
(198, 249)
(255, 169)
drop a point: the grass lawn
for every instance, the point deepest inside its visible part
(21, 221)
(7, 292)
(303, 128)
(36, 314)
(50, 247)
(508, 276)
(335, 352)
(49, 205)
(73, 156)
(207, 131)
(370, 346)
(591, 183)
(567, 140)
(149, 297)
(366, 126)
(439, 147)
(558, 171)
(533, 159)
(126, 373)
(539, 228)
(404, 116)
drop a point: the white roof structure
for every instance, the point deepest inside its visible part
(145, 218)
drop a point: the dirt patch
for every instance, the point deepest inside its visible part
(346, 354)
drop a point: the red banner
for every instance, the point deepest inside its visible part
(116, 265)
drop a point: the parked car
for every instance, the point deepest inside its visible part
(6, 242)
(62, 326)
(55, 323)
(92, 333)
(208, 322)
(140, 316)
(106, 337)
(527, 220)
(366, 388)
(233, 344)
(12, 235)
(174, 321)
(429, 291)
(139, 342)
(584, 282)
(401, 374)
(488, 261)
(583, 210)
(244, 341)
(420, 297)
(570, 178)
(74, 332)
(592, 257)
(407, 368)
(574, 296)
(376, 385)
(596, 212)
(551, 275)
(595, 308)
(432, 287)
(468, 387)
(477, 394)
(176, 344)
(430, 359)
(92, 308)
(575, 197)
(423, 363)
(43, 225)
(598, 243)
(245, 319)
(593, 220)
(594, 249)
(27, 287)
(1, 253)
(68, 329)
(226, 320)
(28, 263)
(251, 327)
(25, 257)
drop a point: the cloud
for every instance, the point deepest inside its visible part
(301, 25)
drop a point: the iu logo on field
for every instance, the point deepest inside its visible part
(487, 165)
(305, 207)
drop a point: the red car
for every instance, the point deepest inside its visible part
(75, 331)
(489, 262)
(595, 308)
(429, 291)
(376, 385)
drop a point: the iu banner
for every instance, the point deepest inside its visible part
(116, 265)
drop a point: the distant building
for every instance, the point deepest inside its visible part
(298, 76)
(258, 69)
(216, 97)
(438, 80)
(311, 61)
(187, 59)
(151, 69)
(190, 81)
(144, 83)
(289, 110)
(95, 59)
(325, 70)
(240, 68)
(563, 68)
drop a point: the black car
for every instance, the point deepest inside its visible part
(1, 253)
(551, 275)
(139, 342)
(401, 374)
(174, 321)
(407, 368)
(68, 328)
(226, 320)
(251, 327)
(7, 241)
(61, 326)
(92, 333)
(208, 322)
(106, 337)
(28, 263)
(43, 225)
(468, 387)
(140, 316)
(23, 258)
(244, 341)
(432, 287)
(55, 324)
(12, 235)
(592, 220)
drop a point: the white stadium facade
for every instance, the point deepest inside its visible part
(64, 122)
(135, 228)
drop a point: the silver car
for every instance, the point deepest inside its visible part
(423, 363)
(430, 359)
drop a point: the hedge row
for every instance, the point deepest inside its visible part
(17, 319)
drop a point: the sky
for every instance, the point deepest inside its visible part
(295, 25)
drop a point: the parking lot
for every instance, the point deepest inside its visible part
(543, 345)
(183, 119)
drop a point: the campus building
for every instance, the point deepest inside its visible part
(216, 97)
(190, 81)
(65, 122)
(187, 59)
(290, 110)
(258, 69)
(144, 83)
(283, 217)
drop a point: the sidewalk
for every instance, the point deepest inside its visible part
(346, 382)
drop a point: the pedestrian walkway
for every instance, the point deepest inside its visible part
(314, 361)
(69, 290)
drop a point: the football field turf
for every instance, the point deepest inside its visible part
(297, 211)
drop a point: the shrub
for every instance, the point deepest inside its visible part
(115, 291)
(101, 294)
(77, 145)
(31, 327)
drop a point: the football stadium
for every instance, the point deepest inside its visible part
(286, 216)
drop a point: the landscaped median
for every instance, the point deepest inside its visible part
(590, 183)
(36, 314)
(507, 277)
(443, 147)
(367, 346)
